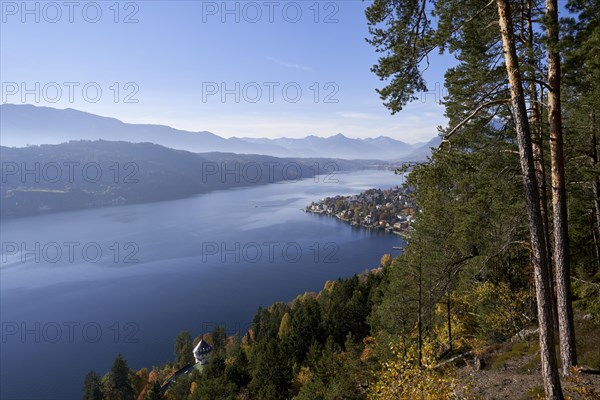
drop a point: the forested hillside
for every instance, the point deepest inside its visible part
(87, 174)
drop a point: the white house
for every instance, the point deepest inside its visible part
(202, 352)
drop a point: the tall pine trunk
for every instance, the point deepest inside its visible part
(419, 316)
(559, 197)
(537, 142)
(448, 315)
(595, 182)
(550, 374)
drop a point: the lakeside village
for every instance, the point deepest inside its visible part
(391, 209)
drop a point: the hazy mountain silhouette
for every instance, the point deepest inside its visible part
(23, 125)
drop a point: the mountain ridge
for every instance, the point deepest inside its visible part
(125, 173)
(25, 124)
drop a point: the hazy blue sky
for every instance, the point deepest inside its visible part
(179, 53)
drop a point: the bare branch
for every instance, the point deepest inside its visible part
(538, 81)
(581, 280)
(473, 114)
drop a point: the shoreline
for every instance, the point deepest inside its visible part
(354, 224)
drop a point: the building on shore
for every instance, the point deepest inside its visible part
(202, 352)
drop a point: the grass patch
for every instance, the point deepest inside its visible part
(514, 351)
(536, 392)
(531, 365)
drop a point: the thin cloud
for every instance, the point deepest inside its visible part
(288, 64)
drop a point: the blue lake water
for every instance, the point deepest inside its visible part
(78, 288)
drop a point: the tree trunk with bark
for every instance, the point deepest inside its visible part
(537, 142)
(559, 197)
(551, 381)
(595, 182)
(448, 315)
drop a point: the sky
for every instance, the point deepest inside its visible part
(234, 68)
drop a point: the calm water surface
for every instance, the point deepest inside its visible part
(129, 279)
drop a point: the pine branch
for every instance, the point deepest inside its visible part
(473, 114)
(538, 81)
(581, 280)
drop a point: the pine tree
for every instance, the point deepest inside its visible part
(582, 80)
(91, 387)
(559, 195)
(182, 350)
(552, 385)
(154, 393)
(119, 385)
(406, 38)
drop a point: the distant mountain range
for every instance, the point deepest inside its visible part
(25, 124)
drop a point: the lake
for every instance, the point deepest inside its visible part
(78, 288)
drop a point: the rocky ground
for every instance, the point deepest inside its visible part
(512, 370)
(519, 378)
